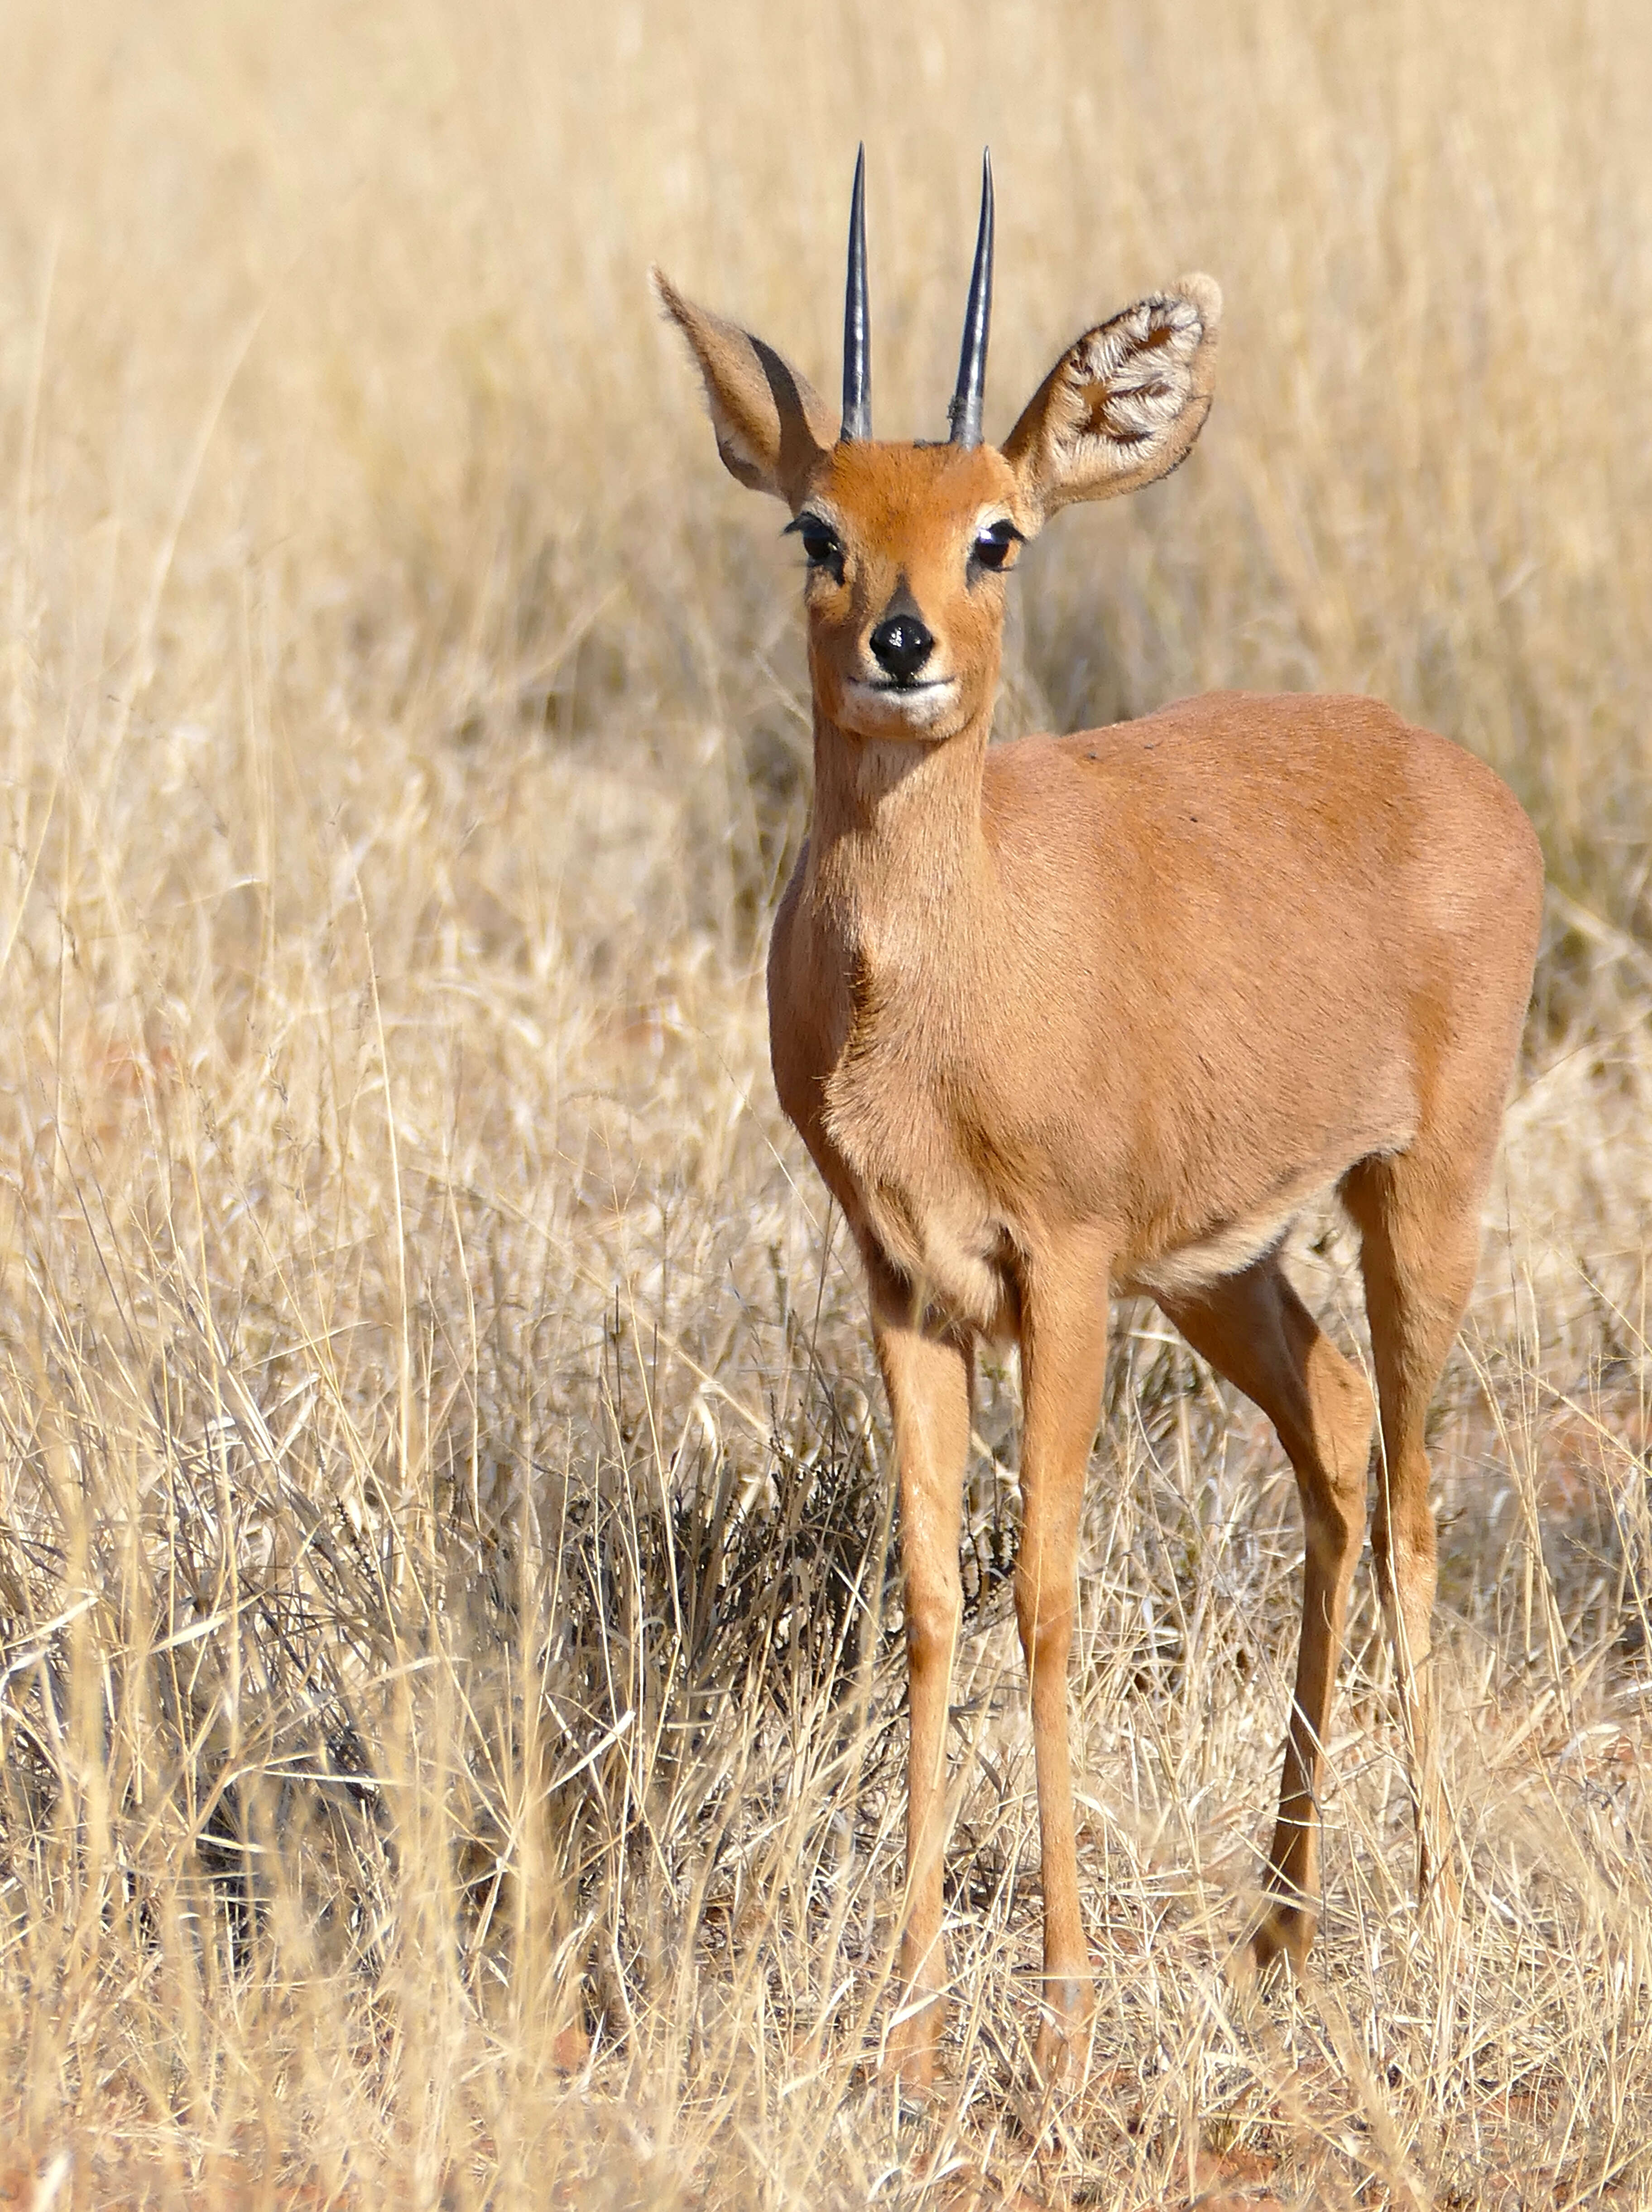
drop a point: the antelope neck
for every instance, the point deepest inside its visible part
(898, 859)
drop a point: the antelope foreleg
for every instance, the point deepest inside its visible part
(1063, 1361)
(927, 1374)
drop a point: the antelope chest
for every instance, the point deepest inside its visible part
(921, 1173)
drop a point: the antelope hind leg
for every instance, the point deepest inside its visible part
(1253, 1329)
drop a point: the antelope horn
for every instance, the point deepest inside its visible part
(964, 413)
(857, 331)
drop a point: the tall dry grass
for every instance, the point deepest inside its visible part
(449, 1703)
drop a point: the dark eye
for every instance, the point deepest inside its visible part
(821, 542)
(993, 549)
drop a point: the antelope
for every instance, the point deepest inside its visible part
(1076, 1015)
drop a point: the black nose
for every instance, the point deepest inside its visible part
(902, 644)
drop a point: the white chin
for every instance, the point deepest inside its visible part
(885, 711)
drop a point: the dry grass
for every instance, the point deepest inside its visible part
(451, 1700)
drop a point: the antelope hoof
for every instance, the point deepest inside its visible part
(1439, 1886)
(1440, 1898)
(909, 2054)
(1052, 2055)
(1061, 2033)
(1284, 1935)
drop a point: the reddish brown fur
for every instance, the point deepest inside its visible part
(1106, 1011)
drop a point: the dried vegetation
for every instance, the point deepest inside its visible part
(450, 1697)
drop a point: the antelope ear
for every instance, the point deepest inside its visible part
(1124, 404)
(773, 427)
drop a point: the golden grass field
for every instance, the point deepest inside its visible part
(451, 1731)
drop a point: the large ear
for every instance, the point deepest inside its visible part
(1124, 404)
(772, 426)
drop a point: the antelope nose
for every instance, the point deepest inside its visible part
(900, 644)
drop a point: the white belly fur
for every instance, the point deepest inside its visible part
(954, 1256)
(1186, 1269)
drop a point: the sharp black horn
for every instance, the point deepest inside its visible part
(857, 328)
(965, 410)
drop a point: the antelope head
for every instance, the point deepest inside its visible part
(908, 544)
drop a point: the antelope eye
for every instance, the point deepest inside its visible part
(995, 545)
(820, 544)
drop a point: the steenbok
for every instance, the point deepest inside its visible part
(1105, 1013)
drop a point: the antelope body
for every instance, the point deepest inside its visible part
(1104, 1012)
